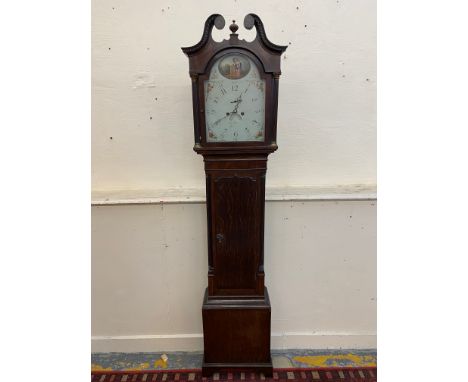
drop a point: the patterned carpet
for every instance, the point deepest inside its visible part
(282, 359)
(279, 375)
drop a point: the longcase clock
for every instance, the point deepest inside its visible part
(235, 102)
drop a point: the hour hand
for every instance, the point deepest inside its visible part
(238, 99)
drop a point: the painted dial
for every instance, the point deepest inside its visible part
(235, 101)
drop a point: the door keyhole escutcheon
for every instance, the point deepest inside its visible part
(220, 237)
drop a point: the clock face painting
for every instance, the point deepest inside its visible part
(235, 101)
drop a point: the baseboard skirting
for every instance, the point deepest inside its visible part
(194, 342)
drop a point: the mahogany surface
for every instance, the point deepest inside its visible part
(237, 335)
(236, 308)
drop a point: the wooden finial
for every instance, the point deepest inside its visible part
(234, 27)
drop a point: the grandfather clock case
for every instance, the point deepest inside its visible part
(235, 102)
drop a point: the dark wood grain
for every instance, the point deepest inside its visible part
(237, 233)
(236, 308)
(237, 335)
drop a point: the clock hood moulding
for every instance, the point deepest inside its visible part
(260, 46)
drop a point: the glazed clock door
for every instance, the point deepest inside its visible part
(234, 101)
(237, 233)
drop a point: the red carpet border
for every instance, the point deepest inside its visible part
(338, 374)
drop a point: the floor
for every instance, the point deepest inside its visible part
(193, 360)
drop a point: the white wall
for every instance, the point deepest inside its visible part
(327, 110)
(149, 260)
(149, 272)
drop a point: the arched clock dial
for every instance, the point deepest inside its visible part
(235, 101)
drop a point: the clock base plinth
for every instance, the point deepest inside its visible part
(236, 334)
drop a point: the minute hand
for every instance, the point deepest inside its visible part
(219, 120)
(237, 102)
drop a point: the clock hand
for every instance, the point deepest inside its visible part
(234, 112)
(219, 120)
(237, 102)
(238, 99)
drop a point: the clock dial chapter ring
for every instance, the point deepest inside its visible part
(234, 96)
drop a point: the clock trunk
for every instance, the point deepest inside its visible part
(235, 188)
